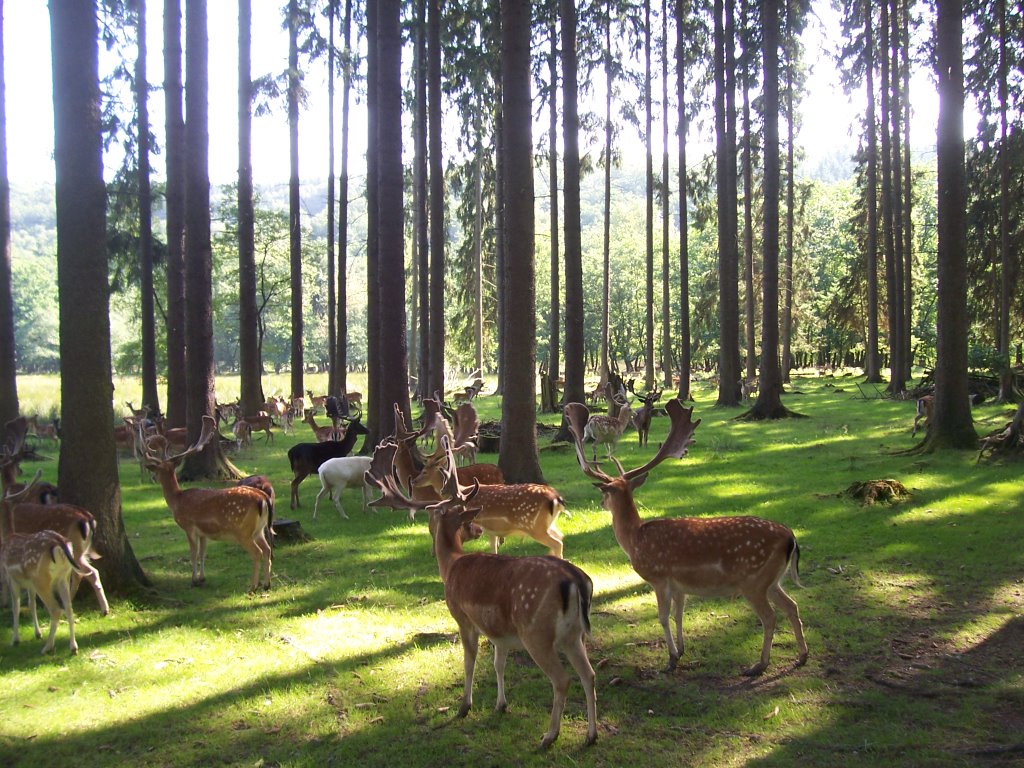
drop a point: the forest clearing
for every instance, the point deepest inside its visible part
(912, 612)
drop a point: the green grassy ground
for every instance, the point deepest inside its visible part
(913, 614)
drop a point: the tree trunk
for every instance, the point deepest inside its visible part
(908, 200)
(146, 304)
(518, 453)
(87, 473)
(951, 424)
(437, 217)
(294, 203)
(1007, 393)
(9, 406)
(787, 279)
(750, 329)
(873, 372)
(574, 351)
(685, 363)
(421, 213)
(341, 355)
(478, 246)
(899, 375)
(332, 344)
(373, 362)
(769, 397)
(649, 218)
(177, 392)
(248, 332)
(893, 287)
(393, 386)
(728, 301)
(607, 209)
(555, 304)
(666, 311)
(210, 462)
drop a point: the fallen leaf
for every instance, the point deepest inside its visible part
(772, 714)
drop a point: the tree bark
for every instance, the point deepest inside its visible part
(146, 303)
(421, 213)
(294, 203)
(872, 372)
(685, 364)
(87, 473)
(649, 216)
(518, 454)
(332, 344)
(341, 354)
(248, 325)
(574, 351)
(210, 462)
(437, 212)
(951, 424)
(393, 387)
(177, 391)
(666, 311)
(9, 406)
(555, 302)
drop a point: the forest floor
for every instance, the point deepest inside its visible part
(913, 609)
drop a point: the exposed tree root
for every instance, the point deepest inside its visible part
(872, 491)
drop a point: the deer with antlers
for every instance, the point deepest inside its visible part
(240, 514)
(541, 604)
(642, 416)
(719, 556)
(608, 429)
(519, 509)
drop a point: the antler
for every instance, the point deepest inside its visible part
(382, 475)
(15, 432)
(676, 445)
(576, 416)
(207, 433)
(678, 442)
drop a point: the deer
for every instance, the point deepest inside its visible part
(925, 407)
(28, 509)
(719, 556)
(316, 401)
(642, 416)
(242, 430)
(608, 429)
(240, 514)
(324, 433)
(338, 474)
(306, 458)
(41, 563)
(260, 422)
(541, 603)
(519, 509)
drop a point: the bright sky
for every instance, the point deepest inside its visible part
(827, 113)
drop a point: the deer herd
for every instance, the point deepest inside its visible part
(541, 604)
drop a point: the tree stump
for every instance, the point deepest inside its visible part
(289, 531)
(871, 491)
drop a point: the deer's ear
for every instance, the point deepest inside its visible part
(636, 482)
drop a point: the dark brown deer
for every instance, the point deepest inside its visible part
(714, 557)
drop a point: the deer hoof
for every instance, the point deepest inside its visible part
(548, 740)
(673, 661)
(802, 660)
(755, 671)
(463, 710)
(591, 738)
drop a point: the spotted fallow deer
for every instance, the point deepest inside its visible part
(41, 563)
(714, 557)
(240, 514)
(608, 429)
(541, 604)
(27, 515)
(517, 509)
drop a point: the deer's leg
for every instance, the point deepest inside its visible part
(552, 537)
(33, 608)
(500, 657)
(256, 553)
(765, 612)
(495, 540)
(265, 556)
(15, 609)
(194, 547)
(788, 605)
(93, 577)
(543, 652)
(470, 646)
(324, 490)
(64, 591)
(336, 498)
(678, 606)
(54, 610)
(576, 652)
(663, 594)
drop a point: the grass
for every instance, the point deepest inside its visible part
(913, 614)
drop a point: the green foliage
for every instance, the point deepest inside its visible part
(912, 613)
